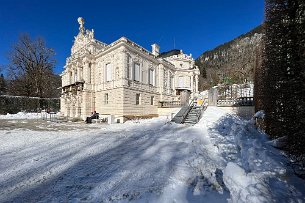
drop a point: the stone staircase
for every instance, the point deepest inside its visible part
(189, 114)
(194, 115)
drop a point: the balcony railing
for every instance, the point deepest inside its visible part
(241, 101)
(169, 104)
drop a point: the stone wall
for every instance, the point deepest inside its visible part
(145, 107)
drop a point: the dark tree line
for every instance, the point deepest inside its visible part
(30, 69)
(280, 80)
(2, 82)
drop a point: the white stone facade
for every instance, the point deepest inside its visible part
(122, 78)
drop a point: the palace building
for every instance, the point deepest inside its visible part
(124, 79)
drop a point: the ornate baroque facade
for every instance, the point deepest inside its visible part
(122, 78)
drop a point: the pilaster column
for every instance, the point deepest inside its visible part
(196, 83)
(160, 80)
(124, 64)
(86, 74)
(79, 73)
(192, 83)
(73, 77)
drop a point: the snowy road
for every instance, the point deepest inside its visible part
(146, 161)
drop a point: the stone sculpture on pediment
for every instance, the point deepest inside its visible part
(81, 22)
(85, 79)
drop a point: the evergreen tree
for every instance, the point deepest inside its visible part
(283, 71)
(2, 85)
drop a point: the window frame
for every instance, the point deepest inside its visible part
(151, 77)
(106, 98)
(138, 99)
(108, 72)
(136, 73)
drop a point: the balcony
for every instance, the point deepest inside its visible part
(169, 104)
(74, 87)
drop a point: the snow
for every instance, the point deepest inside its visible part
(21, 115)
(223, 158)
(259, 114)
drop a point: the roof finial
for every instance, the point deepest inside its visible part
(81, 22)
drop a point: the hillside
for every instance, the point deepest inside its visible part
(232, 62)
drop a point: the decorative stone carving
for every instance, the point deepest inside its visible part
(87, 63)
(81, 22)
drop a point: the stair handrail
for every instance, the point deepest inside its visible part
(190, 106)
(202, 109)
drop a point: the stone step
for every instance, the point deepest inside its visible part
(193, 114)
(190, 122)
(193, 120)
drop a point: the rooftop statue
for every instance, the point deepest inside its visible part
(81, 22)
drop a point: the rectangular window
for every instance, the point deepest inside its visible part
(89, 74)
(165, 82)
(152, 100)
(151, 77)
(75, 76)
(138, 98)
(108, 72)
(171, 81)
(81, 74)
(136, 72)
(106, 98)
(70, 78)
(128, 66)
(181, 81)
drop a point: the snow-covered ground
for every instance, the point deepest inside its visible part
(21, 115)
(220, 159)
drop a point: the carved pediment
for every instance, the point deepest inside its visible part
(80, 41)
(83, 38)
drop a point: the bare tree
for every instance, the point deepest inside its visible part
(31, 68)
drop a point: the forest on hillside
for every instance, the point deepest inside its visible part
(232, 62)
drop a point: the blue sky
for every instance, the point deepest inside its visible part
(193, 26)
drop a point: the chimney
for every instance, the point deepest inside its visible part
(155, 49)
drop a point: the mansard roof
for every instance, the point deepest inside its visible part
(170, 53)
